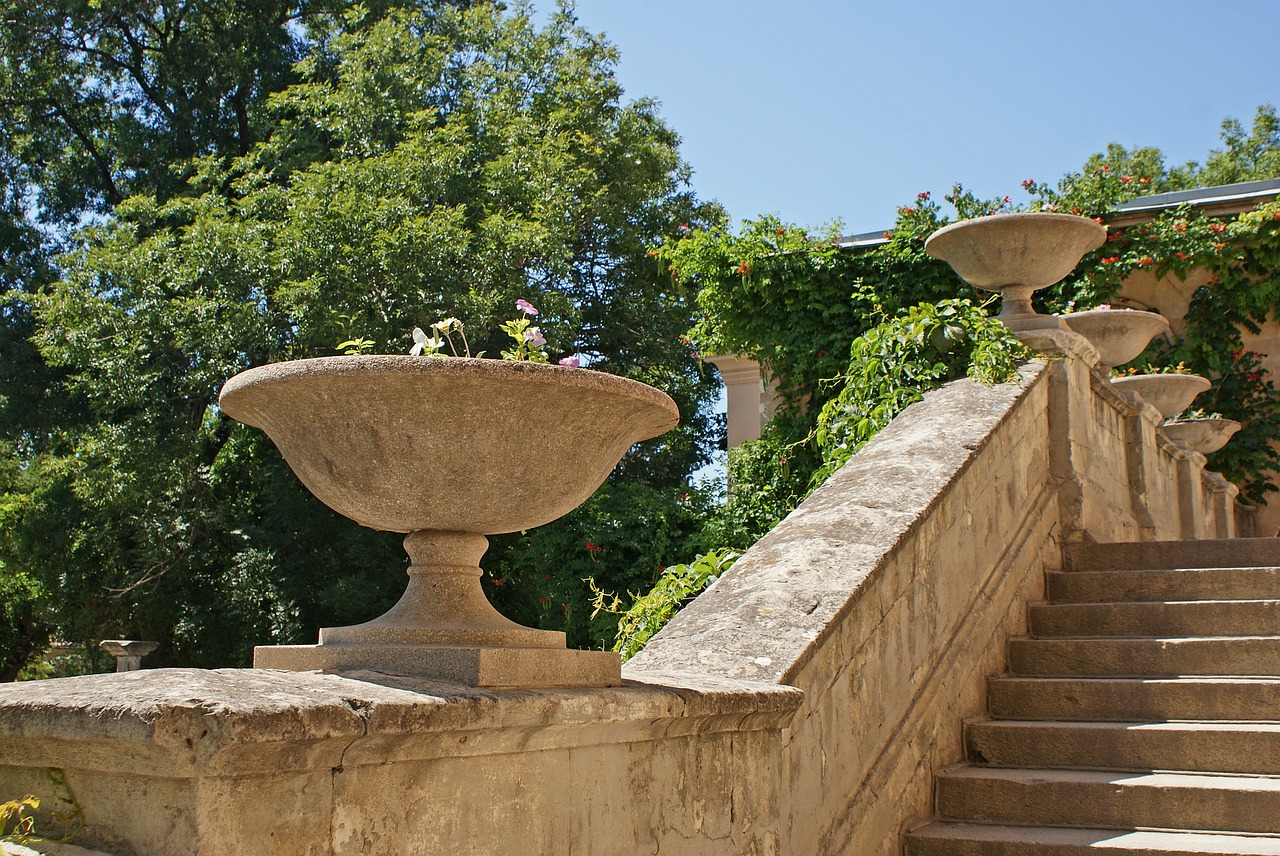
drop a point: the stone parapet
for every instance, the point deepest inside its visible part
(248, 761)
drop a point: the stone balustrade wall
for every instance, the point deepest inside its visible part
(799, 706)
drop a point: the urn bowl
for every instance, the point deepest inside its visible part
(403, 443)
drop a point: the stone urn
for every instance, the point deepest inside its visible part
(1171, 393)
(1016, 254)
(1202, 435)
(449, 451)
(1118, 335)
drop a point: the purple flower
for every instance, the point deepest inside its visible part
(526, 307)
(534, 337)
(571, 362)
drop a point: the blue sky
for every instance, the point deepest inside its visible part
(820, 111)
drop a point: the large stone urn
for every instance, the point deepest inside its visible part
(448, 451)
(1118, 335)
(1016, 254)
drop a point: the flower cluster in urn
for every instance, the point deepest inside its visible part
(528, 342)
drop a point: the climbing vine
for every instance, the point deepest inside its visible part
(793, 299)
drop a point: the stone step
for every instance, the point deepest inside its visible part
(1208, 747)
(1107, 798)
(1197, 655)
(1130, 556)
(1173, 618)
(1134, 699)
(974, 839)
(1185, 584)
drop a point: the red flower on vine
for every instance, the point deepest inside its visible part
(1146, 260)
(1183, 256)
(594, 549)
(1126, 179)
(1110, 260)
(1144, 180)
(924, 194)
(1179, 227)
(1252, 376)
(1217, 228)
(1029, 183)
(1236, 355)
(743, 268)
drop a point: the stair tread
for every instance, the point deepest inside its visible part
(1186, 570)
(1160, 679)
(1143, 779)
(1184, 725)
(1118, 841)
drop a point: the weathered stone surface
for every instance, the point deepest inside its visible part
(802, 705)
(1015, 254)
(46, 848)
(161, 758)
(1169, 393)
(1034, 249)
(760, 620)
(1205, 436)
(408, 443)
(1119, 335)
(447, 450)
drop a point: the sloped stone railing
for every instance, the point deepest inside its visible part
(801, 705)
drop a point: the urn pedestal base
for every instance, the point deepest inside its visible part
(495, 668)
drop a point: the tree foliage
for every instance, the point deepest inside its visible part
(345, 172)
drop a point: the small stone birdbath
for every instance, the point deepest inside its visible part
(1205, 436)
(449, 451)
(1169, 393)
(1119, 335)
(1016, 254)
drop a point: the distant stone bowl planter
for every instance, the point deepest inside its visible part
(1016, 254)
(449, 451)
(1202, 435)
(1171, 394)
(1119, 335)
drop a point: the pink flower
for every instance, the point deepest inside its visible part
(526, 307)
(571, 363)
(1104, 306)
(534, 337)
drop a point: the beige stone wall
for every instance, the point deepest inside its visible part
(799, 706)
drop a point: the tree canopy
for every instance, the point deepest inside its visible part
(256, 182)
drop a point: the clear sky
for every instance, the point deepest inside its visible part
(819, 110)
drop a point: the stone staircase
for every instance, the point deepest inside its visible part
(1142, 716)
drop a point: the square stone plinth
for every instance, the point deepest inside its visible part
(476, 667)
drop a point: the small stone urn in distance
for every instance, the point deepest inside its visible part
(1016, 254)
(449, 451)
(1205, 435)
(1118, 335)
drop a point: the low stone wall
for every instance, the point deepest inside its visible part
(799, 706)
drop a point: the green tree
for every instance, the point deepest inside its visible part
(420, 162)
